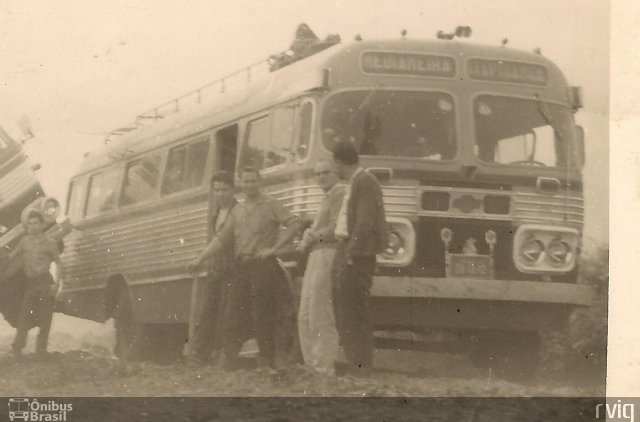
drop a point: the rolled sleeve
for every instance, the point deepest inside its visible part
(327, 233)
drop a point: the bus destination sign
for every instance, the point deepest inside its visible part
(408, 64)
(505, 71)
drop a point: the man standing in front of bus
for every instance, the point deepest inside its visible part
(260, 293)
(208, 327)
(38, 251)
(361, 226)
(316, 321)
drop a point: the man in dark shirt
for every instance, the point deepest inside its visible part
(210, 303)
(260, 289)
(361, 226)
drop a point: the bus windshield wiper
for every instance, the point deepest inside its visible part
(543, 109)
(364, 103)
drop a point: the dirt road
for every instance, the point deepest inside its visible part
(399, 373)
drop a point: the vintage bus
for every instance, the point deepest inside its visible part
(18, 183)
(477, 153)
(20, 192)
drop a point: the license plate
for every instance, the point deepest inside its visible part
(470, 266)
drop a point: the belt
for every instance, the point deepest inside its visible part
(324, 245)
(249, 258)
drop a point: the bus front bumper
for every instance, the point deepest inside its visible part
(483, 290)
(420, 303)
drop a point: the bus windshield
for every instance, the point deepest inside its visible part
(392, 123)
(516, 131)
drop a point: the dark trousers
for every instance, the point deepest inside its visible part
(351, 284)
(37, 306)
(207, 330)
(260, 301)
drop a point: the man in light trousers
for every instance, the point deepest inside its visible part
(316, 321)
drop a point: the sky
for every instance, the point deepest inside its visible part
(81, 69)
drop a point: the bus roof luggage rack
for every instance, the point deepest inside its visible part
(305, 44)
(217, 87)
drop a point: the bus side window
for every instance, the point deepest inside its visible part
(304, 133)
(141, 180)
(102, 192)
(269, 139)
(75, 198)
(197, 154)
(175, 168)
(281, 135)
(186, 166)
(253, 153)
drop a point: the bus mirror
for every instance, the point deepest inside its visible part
(326, 79)
(580, 145)
(530, 140)
(575, 97)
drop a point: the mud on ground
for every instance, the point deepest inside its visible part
(398, 373)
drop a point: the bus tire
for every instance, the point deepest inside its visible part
(512, 355)
(133, 339)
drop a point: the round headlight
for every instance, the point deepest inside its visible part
(395, 244)
(446, 235)
(490, 237)
(559, 252)
(532, 250)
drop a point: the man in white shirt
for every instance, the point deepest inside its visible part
(316, 320)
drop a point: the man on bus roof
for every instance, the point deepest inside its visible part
(260, 294)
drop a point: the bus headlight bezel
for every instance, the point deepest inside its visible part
(532, 250)
(561, 258)
(549, 238)
(402, 243)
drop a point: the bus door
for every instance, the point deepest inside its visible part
(227, 148)
(225, 155)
